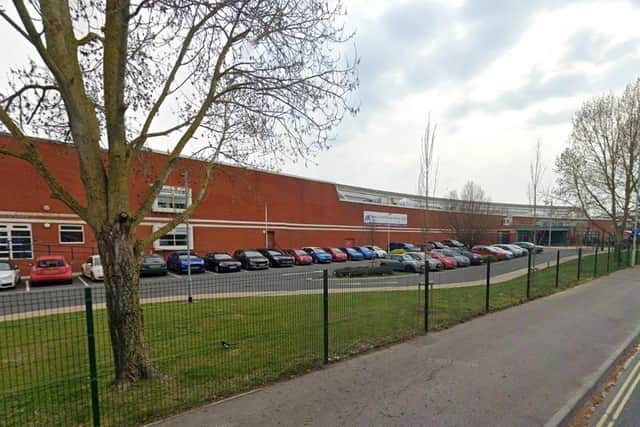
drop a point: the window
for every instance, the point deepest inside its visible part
(71, 233)
(172, 199)
(175, 239)
(15, 241)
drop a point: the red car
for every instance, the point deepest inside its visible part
(336, 254)
(486, 251)
(300, 257)
(51, 268)
(447, 262)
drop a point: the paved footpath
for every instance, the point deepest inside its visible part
(518, 367)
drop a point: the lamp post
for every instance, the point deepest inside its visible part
(635, 224)
(185, 175)
(550, 220)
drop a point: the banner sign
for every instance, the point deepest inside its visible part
(384, 218)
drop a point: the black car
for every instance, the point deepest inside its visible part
(453, 243)
(438, 245)
(153, 265)
(474, 258)
(221, 262)
(530, 246)
(251, 259)
(277, 258)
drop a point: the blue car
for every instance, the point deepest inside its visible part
(366, 252)
(353, 254)
(318, 255)
(179, 262)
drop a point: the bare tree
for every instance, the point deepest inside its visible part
(428, 176)
(534, 190)
(248, 81)
(469, 214)
(598, 170)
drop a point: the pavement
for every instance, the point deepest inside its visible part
(524, 366)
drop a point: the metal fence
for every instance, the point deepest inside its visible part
(240, 331)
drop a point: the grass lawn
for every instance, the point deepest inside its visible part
(43, 360)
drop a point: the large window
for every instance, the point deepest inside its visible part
(175, 239)
(71, 233)
(15, 241)
(172, 199)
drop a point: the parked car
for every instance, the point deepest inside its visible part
(434, 264)
(380, 253)
(153, 265)
(51, 268)
(179, 261)
(507, 254)
(447, 262)
(318, 255)
(516, 250)
(489, 251)
(474, 259)
(9, 275)
(221, 262)
(403, 262)
(438, 245)
(353, 254)
(300, 257)
(276, 257)
(92, 268)
(453, 243)
(530, 246)
(337, 255)
(251, 259)
(461, 261)
(366, 252)
(408, 247)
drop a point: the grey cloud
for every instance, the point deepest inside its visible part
(545, 118)
(586, 46)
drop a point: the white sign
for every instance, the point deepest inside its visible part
(384, 218)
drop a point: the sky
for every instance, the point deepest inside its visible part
(495, 75)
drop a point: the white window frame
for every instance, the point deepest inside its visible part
(8, 228)
(175, 191)
(60, 226)
(158, 246)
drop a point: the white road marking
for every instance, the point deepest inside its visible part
(624, 401)
(173, 275)
(27, 284)
(614, 402)
(83, 281)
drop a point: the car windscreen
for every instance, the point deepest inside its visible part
(300, 252)
(222, 256)
(276, 253)
(48, 263)
(4, 266)
(252, 253)
(96, 261)
(185, 257)
(319, 251)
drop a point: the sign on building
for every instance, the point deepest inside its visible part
(384, 218)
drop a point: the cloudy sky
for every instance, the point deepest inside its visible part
(496, 75)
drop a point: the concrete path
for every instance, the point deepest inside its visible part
(518, 367)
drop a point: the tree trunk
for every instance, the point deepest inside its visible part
(122, 284)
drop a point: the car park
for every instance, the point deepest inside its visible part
(51, 269)
(300, 257)
(380, 253)
(183, 261)
(366, 252)
(474, 259)
(403, 262)
(461, 261)
(153, 265)
(337, 255)
(9, 275)
(276, 257)
(453, 243)
(221, 262)
(489, 252)
(251, 259)
(318, 255)
(353, 254)
(407, 247)
(92, 268)
(434, 264)
(447, 262)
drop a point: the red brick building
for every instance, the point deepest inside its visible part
(243, 208)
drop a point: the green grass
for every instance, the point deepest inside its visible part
(43, 360)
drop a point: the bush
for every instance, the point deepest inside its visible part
(362, 271)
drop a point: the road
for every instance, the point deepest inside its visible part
(27, 298)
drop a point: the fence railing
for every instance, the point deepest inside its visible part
(241, 331)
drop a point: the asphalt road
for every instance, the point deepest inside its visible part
(27, 298)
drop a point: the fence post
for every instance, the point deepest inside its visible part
(325, 315)
(487, 291)
(557, 267)
(529, 274)
(426, 297)
(579, 261)
(93, 370)
(608, 257)
(595, 263)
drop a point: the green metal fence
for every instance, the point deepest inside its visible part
(241, 331)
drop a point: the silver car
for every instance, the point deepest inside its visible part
(9, 275)
(434, 264)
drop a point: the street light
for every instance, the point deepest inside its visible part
(550, 202)
(185, 175)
